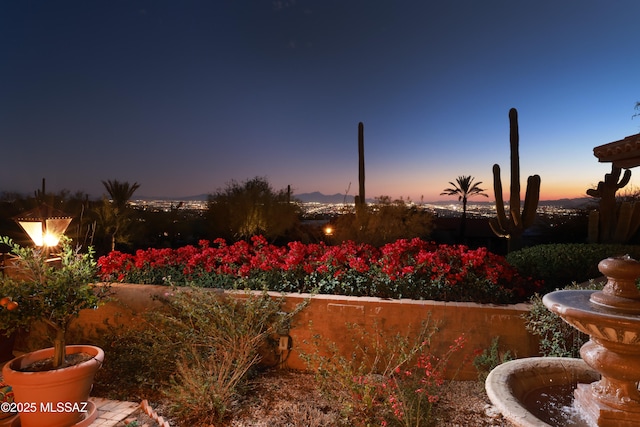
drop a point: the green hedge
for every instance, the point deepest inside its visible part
(558, 265)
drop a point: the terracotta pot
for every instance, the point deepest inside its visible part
(56, 398)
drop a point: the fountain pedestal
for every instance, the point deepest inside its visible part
(611, 318)
(615, 399)
(603, 415)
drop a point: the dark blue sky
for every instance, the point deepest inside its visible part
(184, 96)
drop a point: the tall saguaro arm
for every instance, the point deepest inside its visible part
(361, 194)
(512, 226)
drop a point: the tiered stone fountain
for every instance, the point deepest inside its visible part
(611, 318)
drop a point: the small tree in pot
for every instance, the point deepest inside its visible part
(51, 291)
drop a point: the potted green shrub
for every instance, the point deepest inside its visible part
(51, 386)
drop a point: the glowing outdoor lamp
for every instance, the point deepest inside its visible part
(44, 225)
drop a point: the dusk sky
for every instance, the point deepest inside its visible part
(184, 96)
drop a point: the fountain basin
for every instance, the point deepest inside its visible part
(577, 308)
(510, 386)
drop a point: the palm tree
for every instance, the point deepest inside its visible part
(120, 192)
(114, 215)
(464, 187)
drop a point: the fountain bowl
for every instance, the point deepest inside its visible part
(511, 385)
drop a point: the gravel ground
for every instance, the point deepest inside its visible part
(291, 399)
(465, 403)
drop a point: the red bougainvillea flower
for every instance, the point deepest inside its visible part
(416, 263)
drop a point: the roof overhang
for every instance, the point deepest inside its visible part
(624, 154)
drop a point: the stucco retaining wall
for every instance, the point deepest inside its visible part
(329, 316)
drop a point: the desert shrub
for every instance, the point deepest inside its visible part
(389, 382)
(490, 358)
(557, 337)
(384, 221)
(252, 208)
(559, 265)
(199, 351)
(413, 269)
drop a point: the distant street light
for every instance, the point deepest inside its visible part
(44, 225)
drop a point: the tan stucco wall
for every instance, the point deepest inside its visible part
(328, 315)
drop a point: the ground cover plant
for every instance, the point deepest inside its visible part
(489, 358)
(414, 269)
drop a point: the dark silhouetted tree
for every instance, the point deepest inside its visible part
(464, 188)
(114, 215)
(383, 222)
(252, 208)
(120, 192)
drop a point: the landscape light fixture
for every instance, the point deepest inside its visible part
(44, 225)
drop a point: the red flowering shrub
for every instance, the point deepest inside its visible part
(404, 269)
(383, 380)
(414, 388)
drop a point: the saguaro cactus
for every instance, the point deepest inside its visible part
(604, 225)
(360, 198)
(512, 226)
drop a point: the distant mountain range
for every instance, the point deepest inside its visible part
(317, 197)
